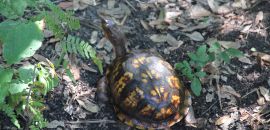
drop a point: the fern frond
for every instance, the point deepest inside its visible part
(9, 111)
(75, 45)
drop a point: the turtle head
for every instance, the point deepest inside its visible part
(115, 36)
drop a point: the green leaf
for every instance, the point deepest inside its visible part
(20, 40)
(201, 54)
(215, 47)
(3, 92)
(12, 8)
(5, 75)
(17, 87)
(196, 86)
(224, 56)
(200, 74)
(26, 73)
(98, 62)
(234, 52)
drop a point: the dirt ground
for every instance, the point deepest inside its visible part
(238, 110)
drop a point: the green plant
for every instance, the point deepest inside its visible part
(75, 45)
(193, 68)
(23, 88)
(22, 92)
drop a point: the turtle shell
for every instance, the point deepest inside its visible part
(146, 92)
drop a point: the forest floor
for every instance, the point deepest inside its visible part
(239, 100)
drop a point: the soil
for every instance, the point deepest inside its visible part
(139, 38)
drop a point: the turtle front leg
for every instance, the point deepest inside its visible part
(102, 92)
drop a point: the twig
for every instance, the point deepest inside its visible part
(209, 108)
(90, 121)
(131, 5)
(252, 91)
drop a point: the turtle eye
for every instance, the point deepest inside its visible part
(109, 23)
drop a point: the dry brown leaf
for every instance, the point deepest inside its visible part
(195, 36)
(172, 41)
(111, 4)
(94, 36)
(66, 5)
(87, 67)
(40, 58)
(265, 93)
(82, 4)
(101, 43)
(119, 12)
(75, 71)
(224, 120)
(158, 38)
(144, 24)
(88, 105)
(259, 18)
(244, 59)
(54, 124)
(230, 44)
(263, 58)
(190, 29)
(198, 11)
(229, 89)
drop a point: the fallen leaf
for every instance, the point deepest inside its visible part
(173, 42)
(224, 120)
(209, 97)
(40, 58)
(55, 124)
(158, 38)
(111, 4)
(245, 60)
(195, 36)
(101, 43)
(144, 24)
(88, 105)
(82, 4)
(230, 90)
(263, 58)
(259, 18)
(198, 11)
(265, 93)
(87, 67)
(94, 36)
(66, 5)
(197, 27)
(75, 71)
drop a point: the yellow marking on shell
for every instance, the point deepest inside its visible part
(140, 92)
(161, 114)
(141, 59)
(139, 127)
(165, 95)
(173, 82)
(121, 83)
(120, 116)
(149, 74)
(153, 92)
(131, 101)
(175, 100)
(129, 122)
(147, 110)
(144, 81)
(157, 90)
(143, 75)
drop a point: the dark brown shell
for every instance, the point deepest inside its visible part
(145, 91)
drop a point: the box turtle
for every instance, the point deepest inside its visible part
(143, 88)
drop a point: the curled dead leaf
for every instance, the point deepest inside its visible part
(265, 93)
(224, 120)
(88, 105)
(195, 36)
